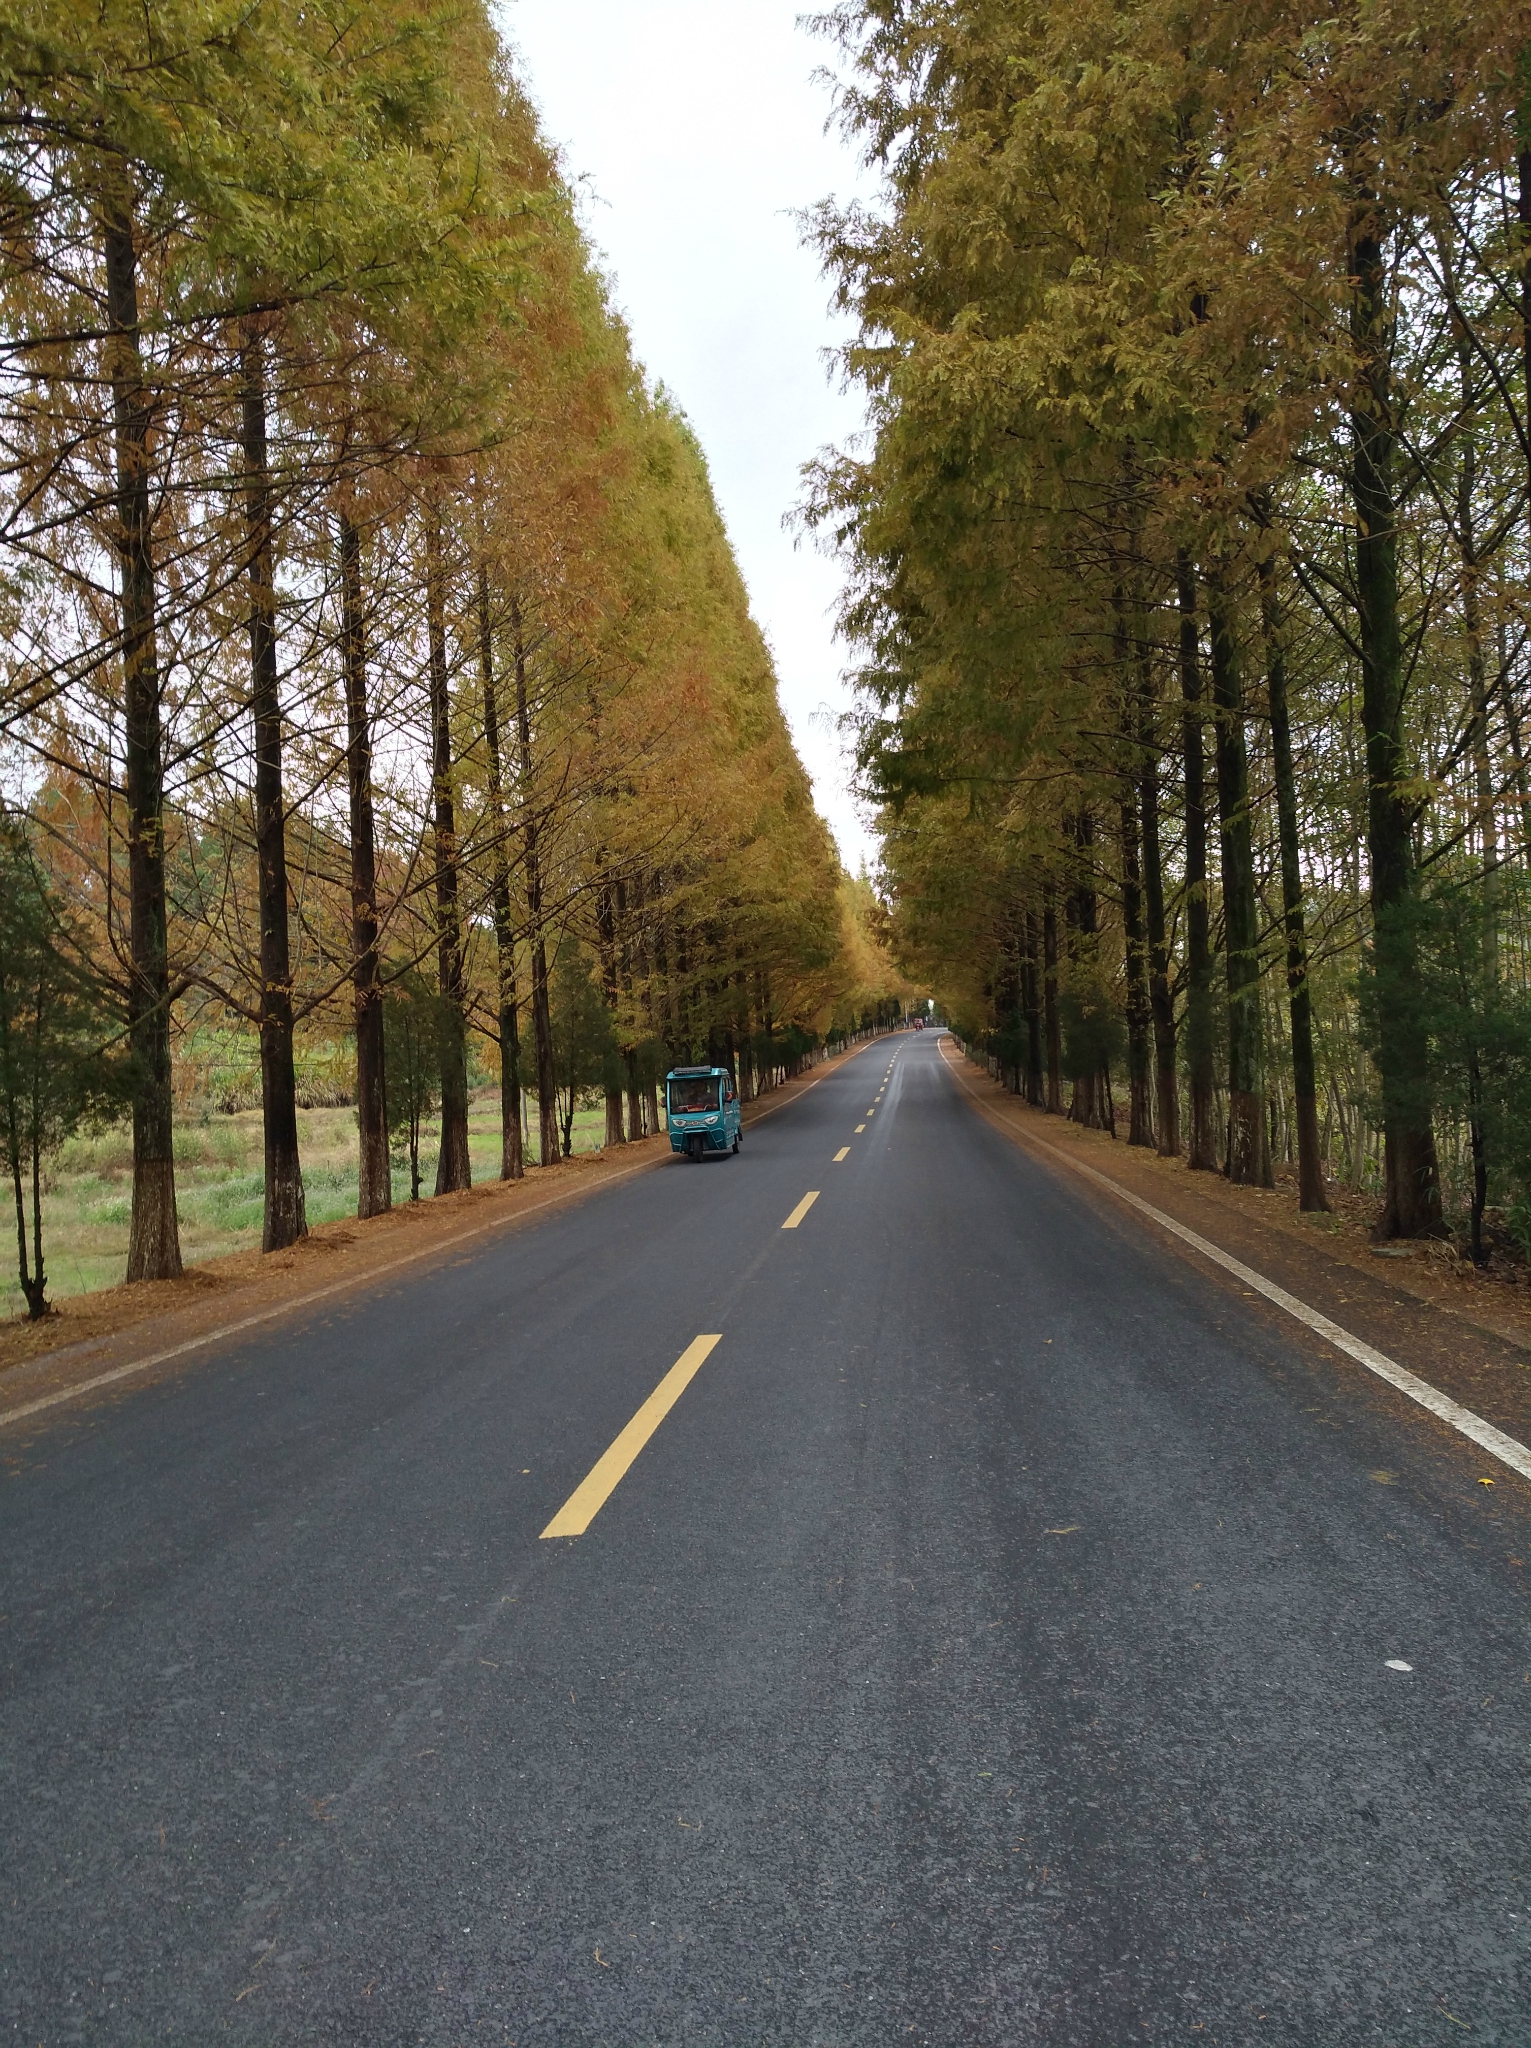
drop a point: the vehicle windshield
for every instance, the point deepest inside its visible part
(699, 1092)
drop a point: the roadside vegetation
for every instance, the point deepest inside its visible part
(220, 1184)
(379, 697)
(1188, 567)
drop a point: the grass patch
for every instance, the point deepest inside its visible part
(220, 1187)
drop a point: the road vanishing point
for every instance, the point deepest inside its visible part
(876, 1589)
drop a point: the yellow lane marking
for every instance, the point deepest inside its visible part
(873, 1110)
(843, 1153)
(801, 1210)
(593, 1492)
(859, 1129)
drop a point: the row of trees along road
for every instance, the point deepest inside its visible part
(1189, 567)
(368, 618)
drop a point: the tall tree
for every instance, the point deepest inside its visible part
(1413, 1200)
(508, 1032)
(453, 1169)
(285, 1221)
(374, 1184)
(1248, 1158)
(1310, 1165)
(154, 1245)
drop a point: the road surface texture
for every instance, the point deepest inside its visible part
(991, 1644)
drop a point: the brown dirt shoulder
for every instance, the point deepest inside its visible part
(1463, 1332)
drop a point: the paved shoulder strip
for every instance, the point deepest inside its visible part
(1463, 1420)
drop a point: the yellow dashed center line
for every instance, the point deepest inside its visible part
(859, 1129)
(843, 1153)
(593, 1491)
(801, 1210)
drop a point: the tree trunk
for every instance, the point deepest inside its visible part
(1310, 1163)
(1412, 1205)
(1050, 1017)
(606, 932)
(1202, 1148)
(374, 1179)
(1485, 804)
(512, 1166)
(630, 1053)
(453, 1171)
(684, 1039)
(767, 1029)
(1523, 207)
(1248, 1161)
(742, 1038)
(645, 963)
(1161, 1001)
(1479, 1201)
(1485, 797)
(154, 1243)
(33, 1277)
(1088, 1102)
(285, 1221)
(1140, 1064)
(1007, 1007)
(542, 1015)
(1031, 982)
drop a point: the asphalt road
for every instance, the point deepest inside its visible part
(991, 1645)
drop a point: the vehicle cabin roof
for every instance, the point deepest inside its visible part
(693, 1073)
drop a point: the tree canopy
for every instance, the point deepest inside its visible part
(1187, 563)
(368, 613)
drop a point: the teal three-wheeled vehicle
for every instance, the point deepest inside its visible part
(702, 1107)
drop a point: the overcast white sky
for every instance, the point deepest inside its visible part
(695, 131)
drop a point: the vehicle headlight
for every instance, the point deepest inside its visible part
(713, 1118)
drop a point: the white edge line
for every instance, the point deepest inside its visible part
(267, 1315)
(1483, 1434)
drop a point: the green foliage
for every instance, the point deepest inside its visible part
(1094, 1035)
(57, 1026)
(1009, 1044)
(411, 1024)
(584, 1044)
(1475, 1021)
